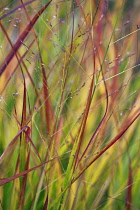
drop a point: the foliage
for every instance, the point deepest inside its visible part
(69, 104)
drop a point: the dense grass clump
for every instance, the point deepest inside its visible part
(70, 104)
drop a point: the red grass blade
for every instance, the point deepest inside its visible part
(9, 147)
(23, 5)
(21, 39)
(48, 106)
(12, 74)
(23, 187)
(23, 122)
(6, 180)
(129, 190)
(46, 203)
(108, 146)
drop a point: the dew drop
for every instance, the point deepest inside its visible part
(62, 21)
(6, 8)
(14, 94)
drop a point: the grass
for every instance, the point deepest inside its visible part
(69, 105)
